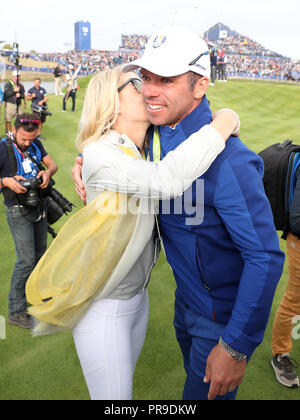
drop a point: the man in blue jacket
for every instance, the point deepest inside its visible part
(227, 264)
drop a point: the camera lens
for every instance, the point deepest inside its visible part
(32, 198)
(61, 201)
(54, 212)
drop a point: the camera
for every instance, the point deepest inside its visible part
(31, 199)
(57, 204)
(42, 110)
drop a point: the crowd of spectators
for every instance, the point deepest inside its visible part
(259, 66)
(243, 45)
(133, 42)
(91, 61)
(94, 60)
(243, 57)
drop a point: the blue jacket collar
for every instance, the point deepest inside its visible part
(170, 137)
(201, 116)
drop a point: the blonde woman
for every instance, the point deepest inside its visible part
(109, 338)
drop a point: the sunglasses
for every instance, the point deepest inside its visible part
(35, 123)
(192, 63)
(137, 83)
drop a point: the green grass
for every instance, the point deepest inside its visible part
(47, 368)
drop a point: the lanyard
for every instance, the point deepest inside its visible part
(143, 155)
(13, 84)
(156, 146)
(16, 147)
(156, 158)
(26, 156)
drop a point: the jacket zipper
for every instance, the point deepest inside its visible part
(204, 281)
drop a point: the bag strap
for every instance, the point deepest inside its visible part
(11, 157)
(9, 195)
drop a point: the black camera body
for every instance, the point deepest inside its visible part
(42, 110)
(32, 198)
(31, 183)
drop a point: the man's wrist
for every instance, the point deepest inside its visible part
(2, 182)
(233, 353)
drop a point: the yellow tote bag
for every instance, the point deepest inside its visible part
(79, 262)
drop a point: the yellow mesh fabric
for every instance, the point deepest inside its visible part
(79, 262)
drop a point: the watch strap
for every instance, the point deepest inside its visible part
(235, 354)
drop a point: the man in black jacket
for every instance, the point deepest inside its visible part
(14, 93)
(57, 80)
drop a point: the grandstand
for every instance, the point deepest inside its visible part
(244, 57)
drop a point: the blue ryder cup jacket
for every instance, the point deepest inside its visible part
(226, 268)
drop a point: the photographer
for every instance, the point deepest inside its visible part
(14, 93)
(38, 96)
(57, 80)
(20, 157)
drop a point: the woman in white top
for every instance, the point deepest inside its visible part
(112, 133)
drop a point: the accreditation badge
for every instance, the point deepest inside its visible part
(27, 166)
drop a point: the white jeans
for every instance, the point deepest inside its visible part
(108, 340)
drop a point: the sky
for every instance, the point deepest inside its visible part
(49, 27)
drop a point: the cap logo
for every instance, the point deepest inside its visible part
(200, 67)
(159, 41)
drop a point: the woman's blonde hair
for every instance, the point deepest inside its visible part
(100, 109)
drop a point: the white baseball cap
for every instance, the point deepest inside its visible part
(174, 51)
(16, 73)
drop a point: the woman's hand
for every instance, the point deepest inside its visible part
(227, 120)
(77, 178)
